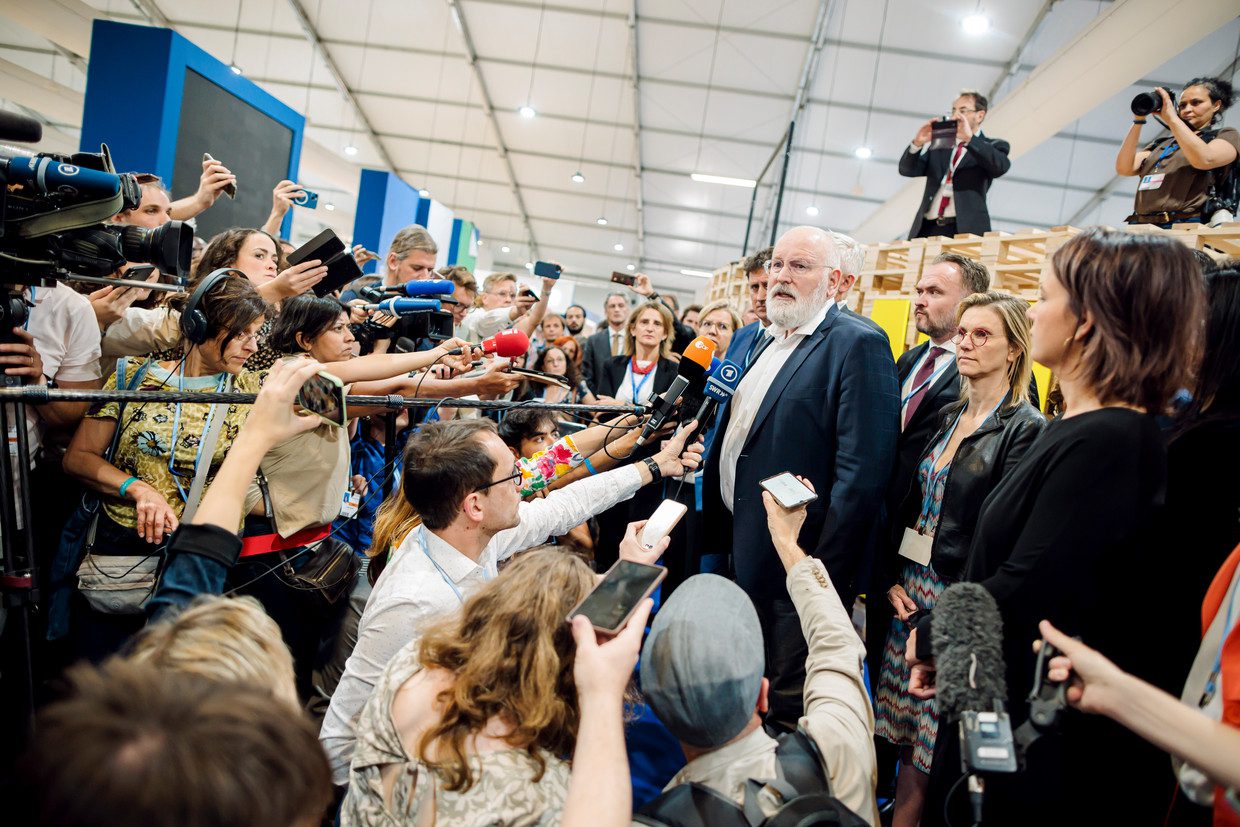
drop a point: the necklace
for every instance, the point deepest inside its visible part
(641, 371)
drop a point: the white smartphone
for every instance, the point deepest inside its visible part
(661, 522)
(618, 594)
(787, 490)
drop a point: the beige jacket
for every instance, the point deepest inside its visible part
(837, 716)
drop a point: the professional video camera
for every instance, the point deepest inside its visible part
(51, 209)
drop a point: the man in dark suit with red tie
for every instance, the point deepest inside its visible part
(957, 178)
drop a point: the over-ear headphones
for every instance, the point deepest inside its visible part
(194, 323)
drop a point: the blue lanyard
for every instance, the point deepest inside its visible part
(176, 427)
(929, 379)
(426, 550)
(637, 388)
(1169, 149)
(26, 324)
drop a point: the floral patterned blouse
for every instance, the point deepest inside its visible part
(504, 791)
(146, 447)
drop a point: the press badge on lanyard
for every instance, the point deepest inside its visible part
(1152, 182)
(916, 546)
(348, 507)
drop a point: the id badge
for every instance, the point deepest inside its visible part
(349, 506)
(916, 547)
(1152, 182)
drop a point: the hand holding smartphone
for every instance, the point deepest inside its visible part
(627, 279)
(230, 189)
(323, 395)
(787, 490)
(618, 595)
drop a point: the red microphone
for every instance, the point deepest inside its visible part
(507, 343)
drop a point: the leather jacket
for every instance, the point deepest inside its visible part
(983, 458)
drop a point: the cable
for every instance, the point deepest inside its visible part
(948, 798)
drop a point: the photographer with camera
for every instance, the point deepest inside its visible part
(1189, 175)
(957, 178)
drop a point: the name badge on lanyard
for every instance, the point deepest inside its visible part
(916, 546)
(1152, 182)
(348, 507)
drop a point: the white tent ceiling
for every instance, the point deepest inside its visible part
(717, 82)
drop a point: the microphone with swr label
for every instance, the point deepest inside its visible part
(720, 385)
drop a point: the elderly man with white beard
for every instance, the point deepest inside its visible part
(819, 399)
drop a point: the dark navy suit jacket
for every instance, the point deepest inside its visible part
(832, 416)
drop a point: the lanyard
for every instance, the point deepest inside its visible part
(26, 324)
(929, 379)
(426, 550)
(951, 165)
(1169, 149)
(637, 388)
(176, 427)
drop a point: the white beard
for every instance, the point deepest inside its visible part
(790, 316)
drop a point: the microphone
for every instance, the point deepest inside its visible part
(425, 287)
(404, 344)
(690, 376)
(404, 307)
(967, 640)
(508, 343)
(15, 127)
(721, 383)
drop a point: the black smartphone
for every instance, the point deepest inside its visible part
(618, 595)
(943, 134)
(627, 279)
(323, 396)
(231, 189)
(327, 247)
(525, 291)
(547, 270)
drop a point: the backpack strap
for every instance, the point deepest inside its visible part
(801, 764)
(691, 805)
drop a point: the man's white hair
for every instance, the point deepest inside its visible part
(851, 252)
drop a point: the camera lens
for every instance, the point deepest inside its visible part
(169, 247)
(1147, 102)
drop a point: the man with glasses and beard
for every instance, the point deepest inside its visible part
(819, 399)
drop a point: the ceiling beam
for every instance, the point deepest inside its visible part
(1126, 40)
(317, 45)
(1014, 64)
(634, 58)
(458, 17)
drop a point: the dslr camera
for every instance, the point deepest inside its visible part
(1148, 102)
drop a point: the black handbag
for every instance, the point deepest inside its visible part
(332, 568)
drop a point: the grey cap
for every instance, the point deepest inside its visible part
(702, 663)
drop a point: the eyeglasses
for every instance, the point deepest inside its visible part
(249, 339)
(964, 111)
(776, 266)
(515, 479)
(979, 336)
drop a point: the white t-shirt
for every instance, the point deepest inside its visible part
(66, 335)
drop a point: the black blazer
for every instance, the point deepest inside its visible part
(830, 415)
(984, 160)
(613, 374)
(595, 353)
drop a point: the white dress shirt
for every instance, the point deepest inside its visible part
(751, 392)
(411, 590)
(643, 385)
(481, 324)
(946, 190)
(940, 365)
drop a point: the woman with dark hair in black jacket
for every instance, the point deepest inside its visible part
(980, 438)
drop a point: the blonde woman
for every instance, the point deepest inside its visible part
(645, 369)
(717, 321)
(980, 438)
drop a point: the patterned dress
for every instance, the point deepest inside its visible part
(901, 718)
(504, 790)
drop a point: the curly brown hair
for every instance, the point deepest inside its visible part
(511, 656)
(223, 249)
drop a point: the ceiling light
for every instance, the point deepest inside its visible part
(350, 150)
(329, 206)
(701, 178)
(505, 249)
(811, 210)
(578, 178)
(863, 152)
(529, 265)
(703, 273)
(602, 222)
(424, 193)
(619, 248)
(630, 267)
(481, 243)
(527, 111)
(236, 70)
(975, 24)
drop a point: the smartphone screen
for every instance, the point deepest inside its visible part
(616, 597)
(623, 278)
(788, 490)
(323, 395)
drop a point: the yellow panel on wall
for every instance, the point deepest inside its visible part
(892, 316)
(1042, 375)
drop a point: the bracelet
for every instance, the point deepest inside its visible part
(125, 485)
(589, 467)
(654, 468)
(1138, 121)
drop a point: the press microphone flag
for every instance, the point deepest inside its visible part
(425, 287)
(694, 363)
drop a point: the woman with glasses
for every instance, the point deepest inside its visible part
(1183, 176)
(979, 439)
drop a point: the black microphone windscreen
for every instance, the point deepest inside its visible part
(404, 345)
(15, 127)
(967, 640)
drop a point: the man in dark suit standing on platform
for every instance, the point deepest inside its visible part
(957, 178)
(607, 341)
(746, 340)
(820, 399)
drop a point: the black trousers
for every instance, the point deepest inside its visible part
(930, 228)
(786, 651)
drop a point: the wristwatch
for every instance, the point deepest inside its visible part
(655, 472)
